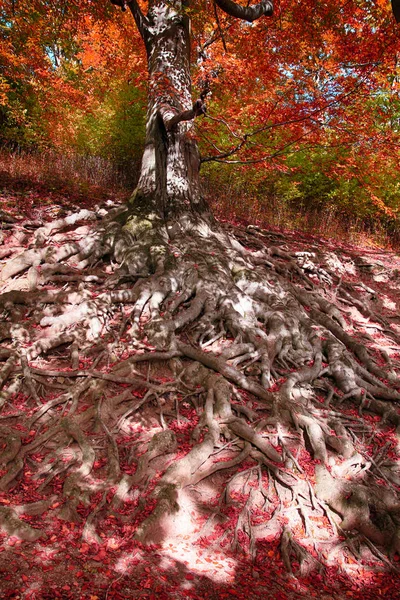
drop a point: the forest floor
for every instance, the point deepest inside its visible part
(67, 559)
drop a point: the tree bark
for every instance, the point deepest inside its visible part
(169, 177)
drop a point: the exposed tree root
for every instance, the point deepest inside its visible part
(181, 357)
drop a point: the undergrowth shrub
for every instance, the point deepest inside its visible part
(319, 202)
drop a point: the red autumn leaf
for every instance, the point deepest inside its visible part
(100, 556)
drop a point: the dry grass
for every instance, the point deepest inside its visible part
(73, 173)
(98, 178)
(228, 202)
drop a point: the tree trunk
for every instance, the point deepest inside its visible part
(169, 177)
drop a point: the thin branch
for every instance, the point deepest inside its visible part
(215, 36)
(224, 155)
(140, 19)
(306, 117)
(255, 161)
(221, 33)
(229, 128)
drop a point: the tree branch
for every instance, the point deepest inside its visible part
(221, 33)
(199, 108)
(140, 19)
(396, 10)
(247, 13)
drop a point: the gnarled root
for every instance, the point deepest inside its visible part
(205, 372)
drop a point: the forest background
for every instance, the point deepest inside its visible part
(302, 121)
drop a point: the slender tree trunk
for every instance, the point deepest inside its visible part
(169, 178)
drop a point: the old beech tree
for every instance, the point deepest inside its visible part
(169, 178)
(259, 341)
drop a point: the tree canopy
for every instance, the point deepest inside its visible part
(314, 80)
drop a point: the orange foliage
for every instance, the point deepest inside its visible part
(316, 74)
